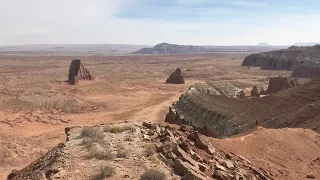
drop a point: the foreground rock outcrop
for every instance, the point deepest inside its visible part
(175, 77)
(277, 84)
(285, 59)
(127, 151)
(78, 72)
(307, 70)
(218, 115)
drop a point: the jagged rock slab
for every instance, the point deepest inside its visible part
(222, 116)
(285, 59)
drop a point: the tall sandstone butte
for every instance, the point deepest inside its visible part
(78, 72)
(176, 77)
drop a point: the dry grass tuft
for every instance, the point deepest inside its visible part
(122, 152)
(100, 153)
(150, 149)
(106, 172)
(153, 174)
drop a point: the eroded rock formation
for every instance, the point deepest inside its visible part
(279, 83)
(220, 115)
(78, 72)
(180, 154)
(262, 92)
(307, 70)
(176, 77)
(254, 92)
(285, 59)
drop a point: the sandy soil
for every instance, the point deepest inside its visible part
(36, 105)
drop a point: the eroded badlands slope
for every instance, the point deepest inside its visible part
(285, 59)
(221, 115)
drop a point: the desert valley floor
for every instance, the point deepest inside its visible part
(36, 104)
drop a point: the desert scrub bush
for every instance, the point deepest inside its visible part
(122, 152)
(100, 153)
(129, 128)
(115, 129)
(150, 149)
(64, 105)
(93, 133)
(119, 129)
(153, 174)
(106, 172)
(155, 159)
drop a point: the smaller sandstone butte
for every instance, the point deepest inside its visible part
(254, 92)
(78, 72)
(307, 70)
(262, 92)
(279, 83)
(176, 77)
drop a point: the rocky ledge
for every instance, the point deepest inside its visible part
(150, 151)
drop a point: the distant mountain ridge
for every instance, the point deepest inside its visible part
(305, 43)
(166, 48)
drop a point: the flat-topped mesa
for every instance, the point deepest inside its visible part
(279, 83)
(307, 70)
(175, 77)
(285, 59)
(78, 72)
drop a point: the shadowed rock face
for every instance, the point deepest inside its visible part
(279, 83)
(176, 77)
(254, 92)
(78, 72)
(285, 59)
(262, 92)
(220, 115)
(308, 70)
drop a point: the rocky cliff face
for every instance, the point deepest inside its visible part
(78, 72)
(279, 83)
(307, 71)
(221, 115)
(285, 59)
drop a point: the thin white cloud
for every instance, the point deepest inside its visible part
(246, 3)
(82, 21)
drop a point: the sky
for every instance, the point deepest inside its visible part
(149, 22)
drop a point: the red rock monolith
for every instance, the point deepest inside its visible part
(176, 77)
(78, 72)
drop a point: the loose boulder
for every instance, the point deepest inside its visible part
(78, 72)
(279, 83)
(176, 77)
(254, 92)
